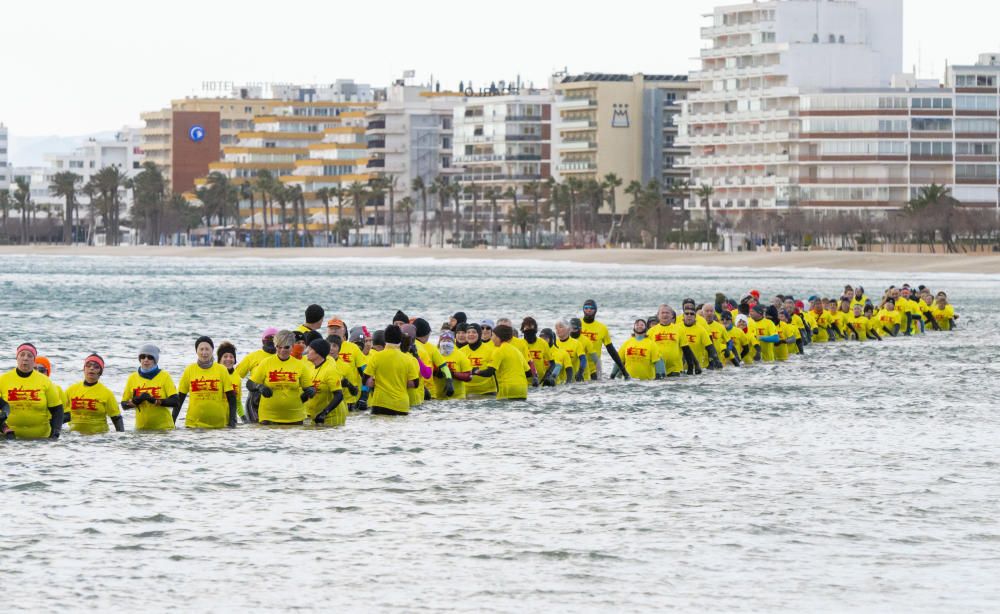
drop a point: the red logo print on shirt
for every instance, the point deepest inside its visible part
(204, 385)
(154, 391)
(23, 394)
(276, 377)
(634, 351)
(80, 404)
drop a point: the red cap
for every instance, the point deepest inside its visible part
(800, 304)
(755, 294)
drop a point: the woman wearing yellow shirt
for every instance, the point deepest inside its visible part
(458, 366)
(479, 354)
(576, 351)
(327, 406)
(391, 374)
(226, 355)
(90, 403)
(942, 314)
(31, 406)
(150, 391)
(284, 384)
(889, 319)
(558, 365)
(213, 402)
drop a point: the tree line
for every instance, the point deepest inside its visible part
(262, 211)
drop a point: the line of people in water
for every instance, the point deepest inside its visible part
(302, 376)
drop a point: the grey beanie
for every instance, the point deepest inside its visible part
(357, 335)
(151, 350)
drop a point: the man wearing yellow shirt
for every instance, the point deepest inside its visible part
(90, 403)
(507, 366)
(889, 319)
(696, 343)
(765, 331)
(716, 332)
(666, 335)
(739, 344)
(213, 402)
(942, 313)
(598, 336)
(390, 375)
(246, 366)
(439, 366)
(641, 355)
(326, 406)
(352, 362)
(536, 350)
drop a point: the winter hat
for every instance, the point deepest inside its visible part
(321, 347)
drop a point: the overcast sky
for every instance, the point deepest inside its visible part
(72, 67)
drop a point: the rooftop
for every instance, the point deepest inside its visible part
(597, 76)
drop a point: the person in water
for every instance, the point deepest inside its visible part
(31, 406)
(90, 403)
(284, 384)
(597, 334)
(391, 374)
(213, 401)
(150, 391)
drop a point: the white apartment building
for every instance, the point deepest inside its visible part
(503, 143)
(767, 67)
(409, 135)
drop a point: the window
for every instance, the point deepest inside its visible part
(767, 37)
(76, 163)
(932, 103)
(975, 126)
(930, 148)
(976, 149)
(976, 171)
(931, 124)
(976, 103)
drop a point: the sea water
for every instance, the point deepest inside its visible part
(860, 477)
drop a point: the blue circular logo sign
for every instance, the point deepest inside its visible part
(196, 133)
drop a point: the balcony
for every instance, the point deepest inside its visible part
(523, 137)
(577, 145)
(376, 163)
(577, 124)
(378, 124)
(377, 144)
(470, 177)
(577, 167)
(523, 118)
(584, 102)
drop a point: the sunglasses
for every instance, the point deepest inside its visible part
(145, 357)
(284, 347)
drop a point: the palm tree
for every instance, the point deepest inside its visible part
(611, 184)
(340, 194)
(22, 198)
(280, 193)
(376, 196)
(108, 182)
(294, 194)
(705, 193)
(390, 183)
(511, 193)
(454, 190)
(573, 189)
(492, 193)
(405, 207)
(474, 191)
(520, 217)
(533, 189)
(150, 187)
(930, 200)
(324, 195)
(5, 206)
(246, 191)
(63, 186)
(359, 199)
(417, 185)
(264, 183)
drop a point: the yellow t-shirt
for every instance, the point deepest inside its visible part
(697, 338)
(352, 359)
(820, 321)
(206, 390)
(597, 337)
(764, 328)
(860, 324)
(236, 385)
(287, 379)
(392, 370)
(943, 316)
(786, 330)
(667, 340)
(561, 358)
(30, 399)
(640, 357)
(246, 366)
(457, 362)
(574, 349)
(326, 379)
(90, 407)
(741, 341)
(889, 319)
(480, 359)
(539, 353)
(510, 365)
(720, 339)
(149, 417)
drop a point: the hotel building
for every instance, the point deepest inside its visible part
(621, 124)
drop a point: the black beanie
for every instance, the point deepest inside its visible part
(314, 313)
(423, 327)
(204, 339)
(321, 347)
(460, 317)
(393, 334)
(400, 317)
